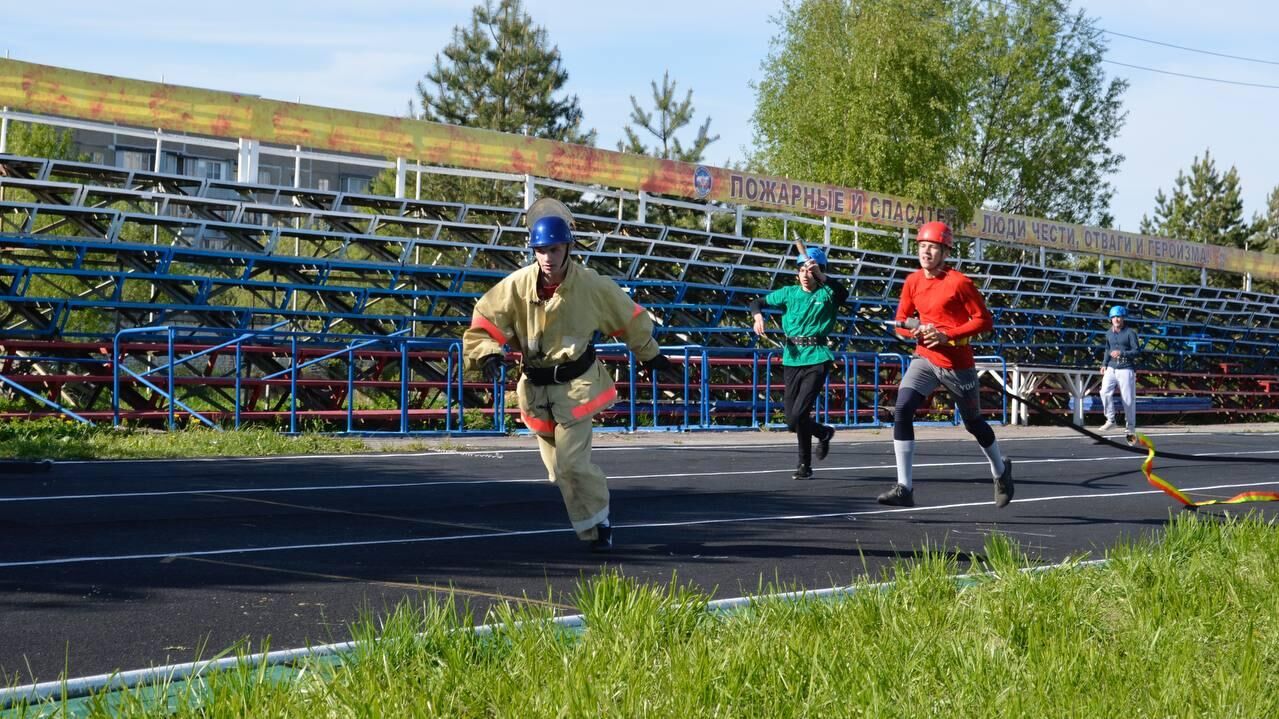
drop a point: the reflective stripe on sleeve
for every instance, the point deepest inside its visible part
(618, 332)
(482, 322)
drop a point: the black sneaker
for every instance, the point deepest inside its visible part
(803, 471)
(603, 541)
(823, 445)
(1004, 485)
(898, 496)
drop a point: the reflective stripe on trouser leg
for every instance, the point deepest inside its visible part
(564, 441)
(582, 484)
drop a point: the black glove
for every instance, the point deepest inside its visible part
(491, 367)
(659, 363)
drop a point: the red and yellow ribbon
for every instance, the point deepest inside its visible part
(1147, 468)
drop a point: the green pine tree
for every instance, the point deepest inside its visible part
(503, 74)
(499, 73)
(668, 116)
(1265, 237)
(1205, 206)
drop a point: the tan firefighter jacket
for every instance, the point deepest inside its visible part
(558, 330)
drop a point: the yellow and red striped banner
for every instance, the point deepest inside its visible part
(105, 98)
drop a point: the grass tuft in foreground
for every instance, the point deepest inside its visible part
(1179, 627)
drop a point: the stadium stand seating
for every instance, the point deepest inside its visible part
(88, 250)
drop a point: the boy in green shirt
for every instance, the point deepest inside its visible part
(810, 310)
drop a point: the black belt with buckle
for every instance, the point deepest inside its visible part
(807, 341)
(562, 372)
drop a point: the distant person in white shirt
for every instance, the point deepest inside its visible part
(1118, 369)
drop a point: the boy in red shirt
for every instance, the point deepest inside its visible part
(950, 312)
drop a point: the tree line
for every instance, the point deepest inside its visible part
(967, 103)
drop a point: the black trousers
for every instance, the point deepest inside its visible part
(802, 386)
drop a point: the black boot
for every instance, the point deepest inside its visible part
(603, 541)
(803, 471)
(823, 444)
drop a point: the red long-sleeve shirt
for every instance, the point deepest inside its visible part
(952, 304)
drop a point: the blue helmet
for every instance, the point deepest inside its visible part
(549, 230)
(815, 254)
(1118, 311)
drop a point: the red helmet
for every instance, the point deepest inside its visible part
(938, 232)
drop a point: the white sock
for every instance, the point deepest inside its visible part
(905, 451)
(996, 459)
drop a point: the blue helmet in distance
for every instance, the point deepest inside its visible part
(816, 254)
(1118, 311)
(549, 230)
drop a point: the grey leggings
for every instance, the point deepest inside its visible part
(921, 378)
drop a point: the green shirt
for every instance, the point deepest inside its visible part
(807, 314)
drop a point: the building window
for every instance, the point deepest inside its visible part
(170, 163)
(209, 169)
(356, 184)
(269, 175)
(135, 160)
(324, 184)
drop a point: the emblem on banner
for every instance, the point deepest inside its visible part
(702, 181)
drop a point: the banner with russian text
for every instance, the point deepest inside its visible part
(104, 98)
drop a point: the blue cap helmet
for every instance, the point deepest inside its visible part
(815, 254)
(1118, 311)
(549, 230)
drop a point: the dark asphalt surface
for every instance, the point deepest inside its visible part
(109, 566)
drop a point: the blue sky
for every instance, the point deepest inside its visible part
(368, 56)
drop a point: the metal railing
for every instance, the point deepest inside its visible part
(713, 388)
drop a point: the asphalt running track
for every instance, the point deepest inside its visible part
(108, 566)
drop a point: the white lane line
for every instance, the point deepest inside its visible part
(541, 480)
(648, 525)
(258, 490)
(497, 452)
(481, 482)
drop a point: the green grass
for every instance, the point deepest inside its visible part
(1179, 628)
(68, 439)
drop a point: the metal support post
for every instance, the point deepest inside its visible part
(400, 170)
(247, 165)
(171, 371)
